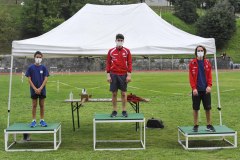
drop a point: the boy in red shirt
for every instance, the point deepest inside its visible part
(200, 77)
(119, 68)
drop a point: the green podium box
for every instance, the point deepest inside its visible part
(24, 128)
(205, 140)
(132, 118)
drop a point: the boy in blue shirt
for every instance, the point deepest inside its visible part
(37, 77)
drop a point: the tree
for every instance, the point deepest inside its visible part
(36, 13)
(8, 31)
(50, 23)
(236, 5)
(32, 18)
(186, 10)
(40, 16)
(207, 4)
(219, 23)
(112, 2)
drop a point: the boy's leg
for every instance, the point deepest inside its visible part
(122, 85)
(208, 116)
(196, 100)
(114, 103)
(195, 117)
(41, 104)
(114, 90)
(114, 100)
(124, 100)
(34, 108)
(196, 106)
(207, 107)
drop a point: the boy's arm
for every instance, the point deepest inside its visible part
(129, 62)
(108, 62)
(44, 83)
(191, 78)
(33, 86)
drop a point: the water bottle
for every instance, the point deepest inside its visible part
(71, 96)
(84, 91)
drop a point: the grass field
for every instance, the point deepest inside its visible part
(169, 93)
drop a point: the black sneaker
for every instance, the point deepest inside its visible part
(210, 128)
(124, 114)
(114, 114)
(195, 128)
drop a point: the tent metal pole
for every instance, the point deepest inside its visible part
(161, 63)
(149, 63)
(10, 91)
(218, 93)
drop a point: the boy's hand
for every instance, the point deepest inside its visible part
(128, 79)
(109, 78)
(195, 92)
(208, 90)
(38, 91)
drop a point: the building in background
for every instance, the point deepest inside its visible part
(157, 2)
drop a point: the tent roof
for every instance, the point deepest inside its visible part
(92, 31)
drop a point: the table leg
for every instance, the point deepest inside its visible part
(136, 107)
(78, 106)
(72, 105)
(137, 111)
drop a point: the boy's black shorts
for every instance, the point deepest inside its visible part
(204, 97)
(36, 96)
(118, 82)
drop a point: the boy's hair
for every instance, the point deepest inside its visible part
(119, 36)
(204, 49)
(37, 52)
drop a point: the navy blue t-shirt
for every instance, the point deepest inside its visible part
(201, 80)
(37, 74)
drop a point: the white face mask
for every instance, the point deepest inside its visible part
(119, 43)
(38, 60)
(200, 54)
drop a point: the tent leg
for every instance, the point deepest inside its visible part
(10, 91)
(218, 93)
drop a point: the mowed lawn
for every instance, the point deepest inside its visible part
(170, 101)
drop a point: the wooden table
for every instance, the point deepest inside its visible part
(77, 103)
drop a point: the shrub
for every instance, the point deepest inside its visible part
(187, 11)
(218, 22)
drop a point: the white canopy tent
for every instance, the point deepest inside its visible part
(92, 30)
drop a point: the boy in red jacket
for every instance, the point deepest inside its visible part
(119, 68)
(200, 77)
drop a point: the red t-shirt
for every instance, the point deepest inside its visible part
(119, 61)
(193, 73)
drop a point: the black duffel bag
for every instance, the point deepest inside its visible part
(155, 123)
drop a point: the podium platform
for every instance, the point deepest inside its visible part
(203, 139)
(76, 104)
(24, 128)
(132, 118)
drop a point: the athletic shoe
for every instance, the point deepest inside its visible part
(124, 114)
(114, 114)
(210, 128)
(33, 124)
(43, 123)
(195, 128)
